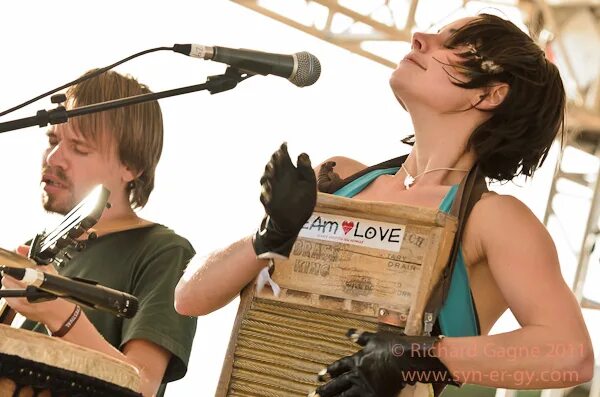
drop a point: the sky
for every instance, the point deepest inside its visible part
(207, 182)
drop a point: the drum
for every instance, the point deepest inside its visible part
(32, 364)
(355, 264)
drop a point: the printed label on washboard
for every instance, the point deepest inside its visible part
(355, 231)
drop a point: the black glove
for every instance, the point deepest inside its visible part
(384, 366)
(289, 195)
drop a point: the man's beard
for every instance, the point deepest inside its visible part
(51, 203)
(67, 200)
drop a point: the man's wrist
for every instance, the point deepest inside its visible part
(59, 316)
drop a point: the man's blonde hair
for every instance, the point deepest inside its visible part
(136, 131)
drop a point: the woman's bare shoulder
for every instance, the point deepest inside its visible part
(504, 203)
(501, 217)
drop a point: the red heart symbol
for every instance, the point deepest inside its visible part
(347, 226)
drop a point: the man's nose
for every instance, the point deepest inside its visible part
(54, 156)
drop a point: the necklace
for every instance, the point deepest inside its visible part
(409, 180)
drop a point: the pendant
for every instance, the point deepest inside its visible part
(408, 181)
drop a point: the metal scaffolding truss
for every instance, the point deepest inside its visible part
(343, 26)
(358, 24)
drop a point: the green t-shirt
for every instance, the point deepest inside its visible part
(146, 263)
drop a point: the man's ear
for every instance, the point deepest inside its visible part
(492, 97)
(128, 174)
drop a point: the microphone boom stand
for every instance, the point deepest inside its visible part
(214, 84)
(32, 294)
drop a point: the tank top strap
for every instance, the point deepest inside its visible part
(358, 185)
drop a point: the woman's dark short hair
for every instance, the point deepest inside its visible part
(516, 139)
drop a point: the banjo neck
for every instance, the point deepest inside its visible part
(47, 245)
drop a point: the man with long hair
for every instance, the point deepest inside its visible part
(119, 149)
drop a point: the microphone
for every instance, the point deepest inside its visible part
(302, 69)
(86, 293)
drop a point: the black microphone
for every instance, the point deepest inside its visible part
(86, 293)
(302, 69)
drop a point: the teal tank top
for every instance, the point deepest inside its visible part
(457, 317)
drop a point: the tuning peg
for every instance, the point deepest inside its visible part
(76, 231)
(58, 262)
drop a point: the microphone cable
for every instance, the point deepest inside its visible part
(79, 80)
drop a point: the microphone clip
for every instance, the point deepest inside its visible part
(31, 293)
(228, 80)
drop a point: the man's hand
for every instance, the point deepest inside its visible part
(387, 362)
(289, 195)
(53, 313)
(23, 250)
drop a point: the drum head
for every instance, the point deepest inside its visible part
(30, 358)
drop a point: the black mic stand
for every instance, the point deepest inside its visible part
(214, 84)
(33, 294)
(36, 295)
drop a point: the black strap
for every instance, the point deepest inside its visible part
(469, 192)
